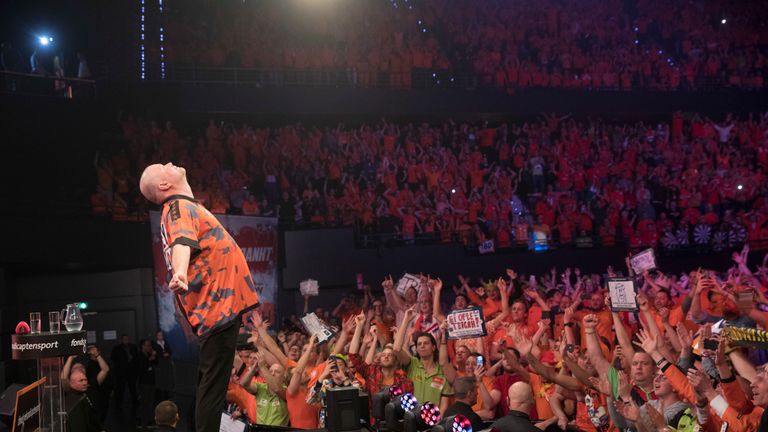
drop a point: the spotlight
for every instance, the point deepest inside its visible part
(45, 40)
(660, 52)
(637, 41)
(461, 423)
(408, 402)
(723, 21)
(740, 187)
(395, 391)
(430, 414)
(453, 191)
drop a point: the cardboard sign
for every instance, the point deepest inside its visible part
(466, 323)
(645, 260)
(408, 281)
(26, 416)
(487, 247)
(309, 287)
(316, 326)
(623, 296)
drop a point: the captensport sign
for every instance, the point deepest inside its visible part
(34, 346)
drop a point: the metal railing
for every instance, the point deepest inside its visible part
(323, 77)
(46, 85)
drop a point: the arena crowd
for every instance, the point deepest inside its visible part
(672, 365)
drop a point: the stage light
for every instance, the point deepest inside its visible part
(45, 40)
(637, 41)
(395, 391)
(430, 414)
(453, 191)
(740, 187)
(723, 21)
(408, 402)
(461, 424)
(660, 52)
(83, 305)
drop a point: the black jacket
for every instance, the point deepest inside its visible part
(515, 421)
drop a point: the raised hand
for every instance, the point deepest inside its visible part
(590, 321)
(628, 409)
(501, 284)
(601, 385)
(568, 314)
(647, 341)
(700, 381)
(657, 418)
(686, 339)
(359, 319)
(642, 302)
(387, 284)
(522, 342)
(437, 284)
(625, 387)
(479, 371)
(512, 275)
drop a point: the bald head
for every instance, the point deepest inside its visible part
(520, 397)
(158, 182)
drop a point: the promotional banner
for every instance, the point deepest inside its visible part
(466, 323)
(44, 345)
(257, 237)
(26, 416)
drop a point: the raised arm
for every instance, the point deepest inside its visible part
(403, 356)
(354, 345)
(437, 309)
(295, 383)
(269, 343)
(621, 332)
(445, 362)
(274, 383)
(393, 299)
(371, 354)
(103, 366)
(593, 345)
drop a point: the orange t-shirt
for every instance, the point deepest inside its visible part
(301, 414)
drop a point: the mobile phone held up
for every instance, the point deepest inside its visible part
(480, 361)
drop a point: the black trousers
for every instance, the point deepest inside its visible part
(217, 352)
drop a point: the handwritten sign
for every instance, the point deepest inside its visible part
(309, 287)
(623, 296)
(316, 326)
(466, 323)
(487, 247)
(408, 281)
(643, 261)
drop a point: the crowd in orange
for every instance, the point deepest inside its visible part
(593, 44)
(685, 181)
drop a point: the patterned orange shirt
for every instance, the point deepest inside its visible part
(220, 282)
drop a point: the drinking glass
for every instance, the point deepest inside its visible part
(34, 322)
(54, 322)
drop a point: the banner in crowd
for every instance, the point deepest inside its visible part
(257, 237)
(643, 261)
(466, 323)
(317, 327)
(751, 337)
(26, 416)
(623, 296)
